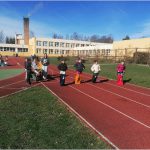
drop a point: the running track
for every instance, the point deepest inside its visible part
(120, 115)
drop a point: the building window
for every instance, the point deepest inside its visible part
(1, 48)
(56, 44)
(72, 45)
(67, 44)
(50, 51)
(51, 44)
(82, 45)
(77, 45)
(12, 49)
(45, 51)
(62, 44)
(38, 43)
(44, 43)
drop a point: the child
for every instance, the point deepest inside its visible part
(62, 67)
(79, 68)
(95, 69)
(6, 61)
(120, 72)
(45, 63)
(28, 68)
(25, 67)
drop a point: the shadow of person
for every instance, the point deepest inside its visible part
(86, 81)
(127, 80)
(69, 83)
(104, 80)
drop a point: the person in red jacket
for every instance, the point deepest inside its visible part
(120, 72)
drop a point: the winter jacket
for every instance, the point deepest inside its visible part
(120, 68)
(45, 61)
(95, 68)
(79, 67)
(62, 67)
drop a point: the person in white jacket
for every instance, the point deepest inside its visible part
(95, 69)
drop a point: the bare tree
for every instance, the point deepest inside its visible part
(10, 40)
(101, 39)
(2, 37)
(32, 34)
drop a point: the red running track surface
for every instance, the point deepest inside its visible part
(120, 115)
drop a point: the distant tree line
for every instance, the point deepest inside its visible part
(77, 36)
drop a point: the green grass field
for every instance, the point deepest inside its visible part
(7, 73)
(34, 119)
(135, 74)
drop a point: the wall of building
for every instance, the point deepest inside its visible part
(129, 47)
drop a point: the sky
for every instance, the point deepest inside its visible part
(116, 18)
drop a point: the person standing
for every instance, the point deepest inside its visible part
(45, 63)
(28, 67)
(120, 72)
(95, 69)
(79, 69)
(62, 67)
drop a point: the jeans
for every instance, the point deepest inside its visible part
(45, 70)
(94, 77)
(62, 79)
(29, 76)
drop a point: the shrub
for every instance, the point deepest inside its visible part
(141, 57)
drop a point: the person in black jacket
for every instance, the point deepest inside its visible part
(28, 68)
(62, 67)
(79, 69)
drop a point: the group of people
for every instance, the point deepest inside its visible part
(39, 67)
(36, 67)
(95, 68)
(3, 61)
(79, 67)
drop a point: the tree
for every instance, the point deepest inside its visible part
(32, 34)
(10, 40)
(2, 37)
(101, 39)
(126, 38)
(57, 36)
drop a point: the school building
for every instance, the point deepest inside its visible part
(26, 46)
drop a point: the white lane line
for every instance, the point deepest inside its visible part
(12, 83)
(147, 126)
(118, 95)
(19, 91)
(81, 118)
(87, 75)
(12, 88)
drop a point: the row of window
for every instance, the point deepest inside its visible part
(22, 49)
(51, 51)
(56, 51)
(12, 49)
(59, 44)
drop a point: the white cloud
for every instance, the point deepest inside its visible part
(10, 26)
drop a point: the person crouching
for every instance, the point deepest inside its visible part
(62, 67)
(95, 69)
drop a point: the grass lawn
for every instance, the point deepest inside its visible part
(7, 73)
(136, 74)
(35, 119)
